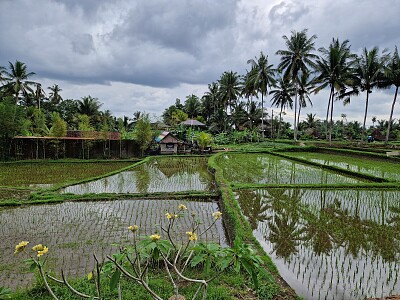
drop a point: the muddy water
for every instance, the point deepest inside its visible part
(74, 231)
(329, 244)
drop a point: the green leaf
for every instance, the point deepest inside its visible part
(33, 266)
(90, 276)
(115, 279)
(197, 259)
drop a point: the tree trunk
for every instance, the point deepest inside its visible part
(365, 116)
(298, 116)
(391, 115)
(262, 114)
(327, 113)
(295, 114)
(331, 121)
(280, 122)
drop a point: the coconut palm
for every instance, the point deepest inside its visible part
(260, 79)
(336, 71)
(192, 106)
(297, 59)
(229, 90)
(392, 77)
(54, 95)
(306, 87)
(89, 106)
(17, 79)
(370, 66)
(210, 100)
(282, 96)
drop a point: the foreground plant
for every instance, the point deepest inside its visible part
(176, 255)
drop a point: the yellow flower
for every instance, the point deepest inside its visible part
(133, 228)
(217, 215)
(182, 207)
(171, 216)
(44, 251)
(192, 236)
(38, 247)
(155, 237)
(20, 247)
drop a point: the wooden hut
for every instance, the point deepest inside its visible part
(168, 143)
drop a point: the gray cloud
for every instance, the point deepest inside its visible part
(147, 53)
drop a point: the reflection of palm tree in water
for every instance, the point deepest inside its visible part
(252, 207)
(285, 232)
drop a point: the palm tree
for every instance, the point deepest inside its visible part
(260, 79)
(192, 106)
(210, 100)
(336, 71)
(88, 106)
(306, 87)
(297, 59)
(229, 90)
(370, 74)
(54, 95)
(392, 77)
(282, 96)
(17, 79)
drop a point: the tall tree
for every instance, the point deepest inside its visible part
(210, 101)
(54, 95)
(229, 89)
(282, 96)
(260, 79)
(306, 87)
(17, 80)
(392, 77)
(192, 106)
(90, 106)
(142, 133)
(369, 70)
(298, 58)
(336, 71)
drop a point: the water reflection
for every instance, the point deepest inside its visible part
(331, 244)
(269, 169)
(160, 175)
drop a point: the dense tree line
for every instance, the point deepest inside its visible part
(232, 103)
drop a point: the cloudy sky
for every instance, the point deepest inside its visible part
(141, 55)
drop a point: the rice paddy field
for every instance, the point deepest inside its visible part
(73, 231)
(46, 174)
(258, 168)
(158, 175)
(335, 239)
(383, 168)
(329, 244)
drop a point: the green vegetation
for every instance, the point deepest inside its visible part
(28, 174)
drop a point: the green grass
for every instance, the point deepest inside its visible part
(228, 286)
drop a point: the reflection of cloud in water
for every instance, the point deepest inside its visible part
(148, 178)
(269, 169)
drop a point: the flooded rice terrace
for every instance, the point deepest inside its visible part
(329, 244)
(270, 169)
(159, 175)
(379, 168)
(74, 230)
